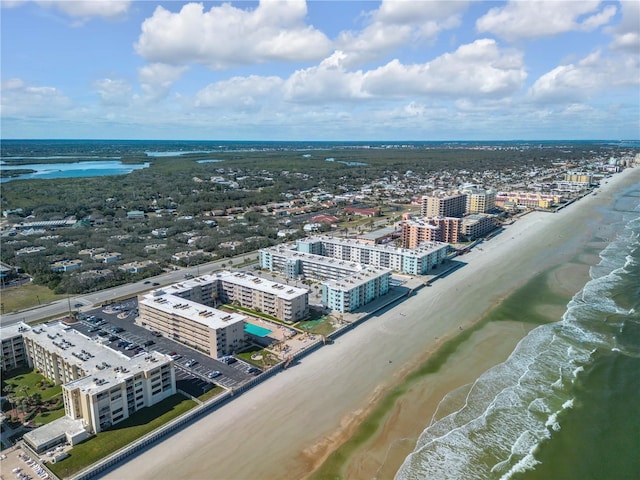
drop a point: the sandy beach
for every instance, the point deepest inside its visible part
(287, 426)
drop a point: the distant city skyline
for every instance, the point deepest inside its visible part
(320, 70)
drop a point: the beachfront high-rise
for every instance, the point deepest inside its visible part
(479, 200)
(435, 229)
(100, 386)
(443, 205)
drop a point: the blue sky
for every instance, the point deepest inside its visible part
(320, 70)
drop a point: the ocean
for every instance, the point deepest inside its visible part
(566, 403)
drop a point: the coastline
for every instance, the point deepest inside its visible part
(286, 426)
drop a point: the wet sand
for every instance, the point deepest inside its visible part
(285, 427)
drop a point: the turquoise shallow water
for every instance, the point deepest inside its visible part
(566, 404)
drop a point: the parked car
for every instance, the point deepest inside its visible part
(253, 371)
(191, 363)
(148, 343)
(228, 360)
(131, 346)
(214, 374)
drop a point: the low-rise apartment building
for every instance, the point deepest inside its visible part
(352, 292)
(286, 303)
(478, 225)
(211, 331)
(417, 261)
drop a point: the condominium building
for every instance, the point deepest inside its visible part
(352, 292)
(416, 261)
(527, 199)
(100, 386)
(479, 200)
(434, 229)
(211, 331)
(478, 225)
(295, 264)
(444, 205)
(582, 178)
(286, 303)
(14, 354)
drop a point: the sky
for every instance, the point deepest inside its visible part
(320, 70)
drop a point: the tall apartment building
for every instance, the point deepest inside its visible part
(479, 200)
(435, 229)
(443, 205)
(100, 386)
(211, 331)
(349, 293)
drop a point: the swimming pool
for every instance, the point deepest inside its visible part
(256, 330)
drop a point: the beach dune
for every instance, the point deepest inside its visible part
(285, 427)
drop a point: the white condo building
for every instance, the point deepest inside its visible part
(417, 261)
(100, 386)
(349, 293)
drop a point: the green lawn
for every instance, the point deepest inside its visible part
(26, 296)
(320, 326)
(214, 392)
(122, 434)
(47, 417)
(30, 379)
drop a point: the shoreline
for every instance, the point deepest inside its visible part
(286, 426)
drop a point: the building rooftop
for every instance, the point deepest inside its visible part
(313, 258)
(357, 279)
(104, 367)
(166, 301)
(424, 248)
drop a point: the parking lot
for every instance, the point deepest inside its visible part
(114, 326)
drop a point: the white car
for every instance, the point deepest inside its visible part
(214, 374)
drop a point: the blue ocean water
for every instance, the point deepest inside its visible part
(565, 405)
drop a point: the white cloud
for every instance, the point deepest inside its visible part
(479, 68)
(21, 100)
(327, 82)
(157, 79)
(82, 9)
(626, 35)
(398, 23)
(589, 77)
(240, 92)
(226, 36)
(90, 8)
(113, 92)
(532, 19)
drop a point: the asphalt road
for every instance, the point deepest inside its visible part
(61, 307)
